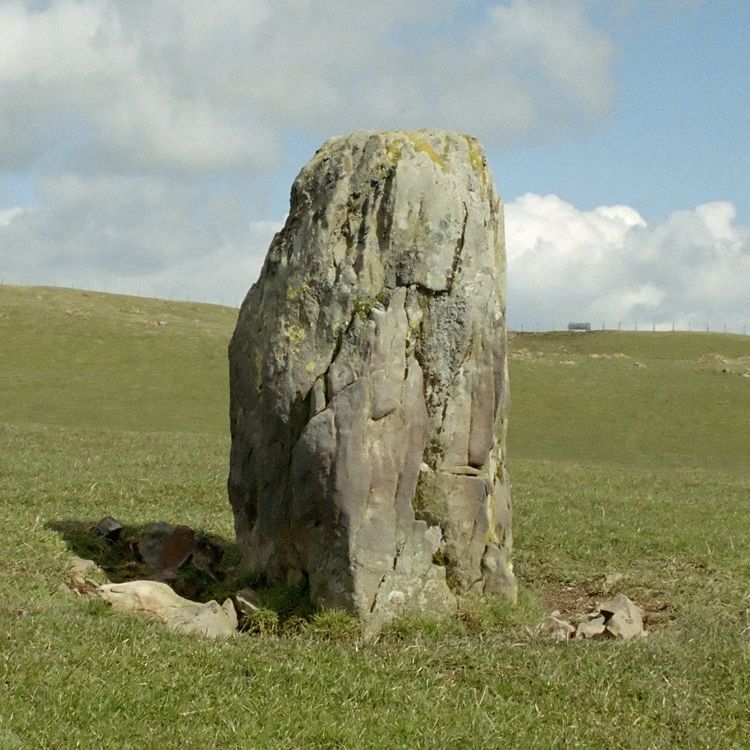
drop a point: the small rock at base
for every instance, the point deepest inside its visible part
(177, 548)
(151, 542)
(109, 528)
(591, 628)
(76, 576)
(78, 566)
(623, 618)
(557, 628)
(246, 603)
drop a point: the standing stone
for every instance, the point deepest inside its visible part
(368, 382)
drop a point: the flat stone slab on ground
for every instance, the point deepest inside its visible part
(158, 601)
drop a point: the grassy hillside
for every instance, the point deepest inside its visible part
(634, 399)
(102, 360)
(88, 359)
(616, 467)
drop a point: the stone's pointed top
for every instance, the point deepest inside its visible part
(368, 381)
(387, 136)
(444, 148)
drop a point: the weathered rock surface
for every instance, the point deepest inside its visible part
(109, 528)
(617, 617)
(557, 628)
(159, 602)
(591, 628)
(624, 619)
(369, 382)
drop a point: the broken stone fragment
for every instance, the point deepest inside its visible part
(591, 628)
(177, 549)
(158, 601)
(622, 617)
(151, 542)
(166, 548)
(557, 628)
(246, 601)
(110, 528)
(77, 576)
(368, 382)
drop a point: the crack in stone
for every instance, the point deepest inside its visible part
(385, 575)
(458, 252)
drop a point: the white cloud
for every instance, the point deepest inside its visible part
(8, 214)
(200, 86)
(138, 235)
(152, 122)
(609, 265)
(147, 236)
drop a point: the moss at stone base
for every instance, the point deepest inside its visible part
(430, 502)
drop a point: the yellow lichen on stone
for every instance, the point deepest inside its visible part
(476, 157)
(295, 333)
(310, 367)
(420, 144)
(491, 536)
(393, 149)
(477, 160)
(293, 293)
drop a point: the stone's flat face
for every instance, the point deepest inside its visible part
(368, 381)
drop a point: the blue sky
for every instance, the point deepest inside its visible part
(149, 147)
(679, 131)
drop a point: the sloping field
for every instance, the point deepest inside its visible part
(635, 399)
(85, 359)
(629, 453)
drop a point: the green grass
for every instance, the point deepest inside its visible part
(639, 470)
(82, 359)
(655, 400)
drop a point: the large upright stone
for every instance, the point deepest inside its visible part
(369, 382)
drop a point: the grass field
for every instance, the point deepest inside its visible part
(628, 453)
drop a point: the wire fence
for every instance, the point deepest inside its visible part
(693, 326)
(740, 329)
